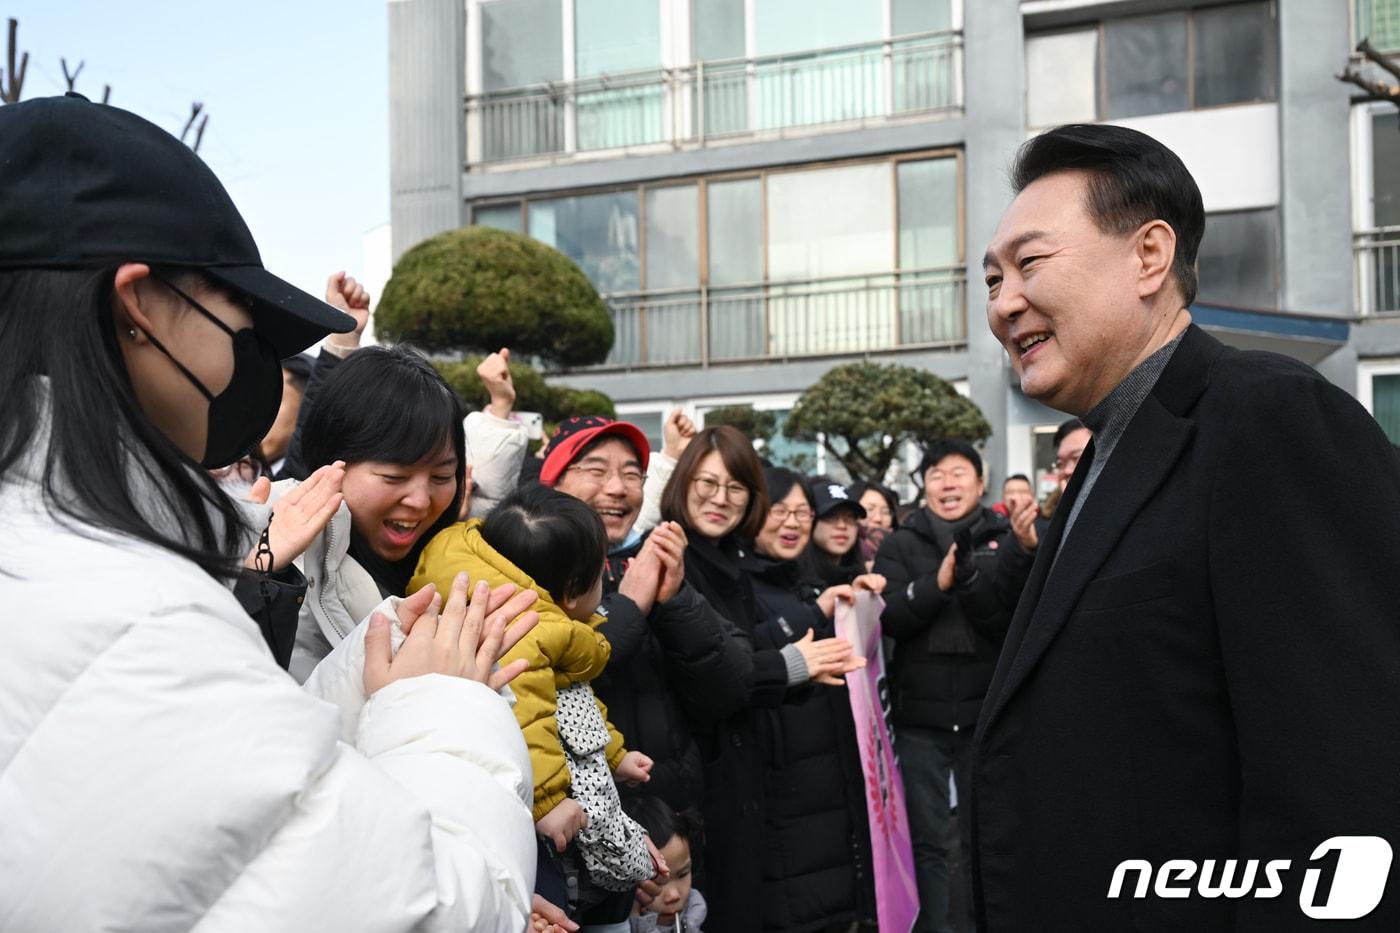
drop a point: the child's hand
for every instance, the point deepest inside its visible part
(562, 823)
(634, 769)
(547, 918)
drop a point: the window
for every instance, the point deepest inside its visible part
(1379, 21)
(1238, 260)
(830, 259)
(1385, 404)
(521, 42)
(1161, 63)
(1385, 168)
(500, 216)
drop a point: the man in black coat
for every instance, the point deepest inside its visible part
(1201, 685)
(953, 573)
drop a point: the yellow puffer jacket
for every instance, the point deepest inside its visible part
(560, 651)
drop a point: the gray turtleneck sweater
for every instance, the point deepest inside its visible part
(1110, 417)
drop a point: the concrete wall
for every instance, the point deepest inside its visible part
(427, 40)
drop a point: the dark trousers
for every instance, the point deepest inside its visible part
(926, 758)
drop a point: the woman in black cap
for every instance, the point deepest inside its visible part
(157, 769)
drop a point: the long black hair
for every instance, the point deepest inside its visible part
(61, 368)
(386, 404)
(556, 539)
(858, 491)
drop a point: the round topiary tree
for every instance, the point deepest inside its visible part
(480, 289)
(864, 412)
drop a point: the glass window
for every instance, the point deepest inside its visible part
(928, 213)
(830, 222)
(782, 26)
(1145, 58)
(500, 216)
(1238, 260)
(914, 16)
(1385, 167)
(1062, 77)
(522, 43)
(597, 231)
(1385, 404)
(1234, 54)
(613, 36)
(717, 29)
(824, 224)
(673, 237)
(735, 248)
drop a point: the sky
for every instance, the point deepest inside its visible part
(296, 92)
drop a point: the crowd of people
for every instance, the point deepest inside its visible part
(302, 643)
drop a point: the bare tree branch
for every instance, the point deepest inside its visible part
(1369, 50)
(11, 89)
(106, 93)
(1375, 90)
(199, 133)
(72, 79)
(195, 108)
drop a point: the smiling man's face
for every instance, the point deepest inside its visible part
(1064, 297)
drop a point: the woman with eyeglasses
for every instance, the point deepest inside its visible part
(718, 496)
(819, 875)
(159, 770)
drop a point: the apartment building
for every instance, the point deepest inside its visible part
(764, 189)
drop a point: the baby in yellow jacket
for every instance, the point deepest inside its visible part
(554, 544)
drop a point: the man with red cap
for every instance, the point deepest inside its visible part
(675, 661)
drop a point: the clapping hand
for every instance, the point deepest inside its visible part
(300, 515)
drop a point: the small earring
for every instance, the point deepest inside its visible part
(132, 332)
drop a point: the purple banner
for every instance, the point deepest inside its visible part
(896, 896)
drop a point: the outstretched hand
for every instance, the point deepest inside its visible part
(300, 515)
(464, 639)
(494, 372)
(676, 433)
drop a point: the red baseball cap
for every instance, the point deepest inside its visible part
(573, 434)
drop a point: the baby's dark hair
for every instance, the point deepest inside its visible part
(556, 539)
(661, 822)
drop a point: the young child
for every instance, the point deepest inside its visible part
(555, 544)
(678, 908)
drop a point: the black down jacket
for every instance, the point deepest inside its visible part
(946, 644)
(816, 863)
(680, 664)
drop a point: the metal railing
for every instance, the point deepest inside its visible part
(722, 99)
(1379, 21)
(1377, 270)
(817, 317)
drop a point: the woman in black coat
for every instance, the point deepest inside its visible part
(717, 495)
(817, 866)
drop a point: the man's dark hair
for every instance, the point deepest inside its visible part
(1065, 430)
(556, 539)
(1132, 179)
(944, 447)
(1016, 476)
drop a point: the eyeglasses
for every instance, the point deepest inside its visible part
(707, 486)
(632, 478)
(1069, 461)
(878, 511)
(781, 513)
(957, 473)
(246, 469)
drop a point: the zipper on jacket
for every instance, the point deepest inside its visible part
(326, 577)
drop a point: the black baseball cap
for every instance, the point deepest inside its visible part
(84, 185)
(830, 496)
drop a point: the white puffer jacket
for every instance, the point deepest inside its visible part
(158, 772)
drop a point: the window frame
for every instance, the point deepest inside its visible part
(1189, 11)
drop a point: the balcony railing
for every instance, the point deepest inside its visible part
(1379, 21)
(1378, 270)
(818, 317)
(691, 105)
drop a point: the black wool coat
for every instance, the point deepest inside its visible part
(817, 864)
(731, 748)
(935, 685)
(1212, 668)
